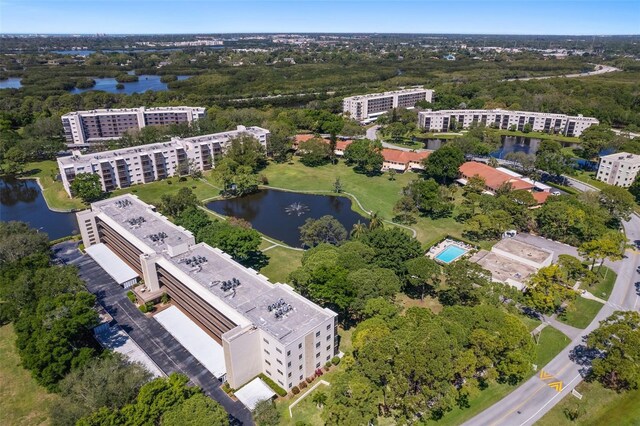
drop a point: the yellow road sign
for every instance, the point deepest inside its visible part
(556, 385)
(544, 375)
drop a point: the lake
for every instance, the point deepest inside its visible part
(21, 199)
(509, 144)
(279, 214)
(11, 83)
(145, 82)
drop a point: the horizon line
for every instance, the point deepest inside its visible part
(331, 32)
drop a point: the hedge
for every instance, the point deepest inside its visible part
(277, 389)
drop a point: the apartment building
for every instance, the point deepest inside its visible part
(124, 167)
(618, 169)
(368, 107)
(443, 120)
(262, 327)
(85, 127)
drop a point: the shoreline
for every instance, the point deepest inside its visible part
(42, 191)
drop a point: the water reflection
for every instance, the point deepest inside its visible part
(280, 214)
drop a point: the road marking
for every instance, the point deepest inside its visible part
(518, 407)
(549, 401)
(556, 385)
(544, 375)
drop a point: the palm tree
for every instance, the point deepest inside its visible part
(358, 230)
(319, 398)
(375, 221)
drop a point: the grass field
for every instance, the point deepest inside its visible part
(599, 406)
(53, 191)
(603, 288)
(376, 193)
(550, 343)
(589, 178)
(22, 400)
(581, 312)
(282, 261)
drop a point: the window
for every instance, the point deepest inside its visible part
(300, 356)
(268, 372)
(289, 375)
(300, 346)
(328, 357)
(318, 355)
(279, 362)
(278, 350)
(318, 365)
(289, 364)
(329, 347)
(299, 367)
(328, 337)
(267, 352)
(328, 327)
(281, 384)
(288, 353)
(318, 345)
(318, 334)
(290, 384)
(280, 372)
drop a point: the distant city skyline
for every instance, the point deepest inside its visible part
(517, 17)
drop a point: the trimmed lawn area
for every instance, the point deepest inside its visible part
(598, 406)
(589, 178)
(376, 193)
(407, 143)
(581, 312)
(152, 192)
(282, 261)
(603, 288)
(550, 343)
(53, 191)
(22, 400)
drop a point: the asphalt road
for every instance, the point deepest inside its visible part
(168, 354)
(600, 69)
(536, 396)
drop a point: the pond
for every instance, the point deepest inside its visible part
(145, 82)
(280, 214)
(509, 144)
(21, 199)
(11, 83)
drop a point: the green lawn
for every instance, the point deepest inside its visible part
(53, 191)
(376, 193)
(550, 343)
(581, 312)
(22, 400)
(603, 288)
(282, 261)
(589, 178)
(152, 192)
(598, 406)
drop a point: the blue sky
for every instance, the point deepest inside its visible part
(398, 16)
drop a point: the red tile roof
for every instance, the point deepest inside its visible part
(403, 157)
(342, 145)
(493, 178)
(540, 197)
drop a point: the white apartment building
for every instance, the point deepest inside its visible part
(124, 167)
(84, 127)
(262, 327)
(441, 121)
(618, 169)
(368, 107)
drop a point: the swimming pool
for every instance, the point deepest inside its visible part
(450, 253)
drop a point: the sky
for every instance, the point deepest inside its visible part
(562, 17)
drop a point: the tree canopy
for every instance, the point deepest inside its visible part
(87, 186)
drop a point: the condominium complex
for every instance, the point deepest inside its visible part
(83, 127)
(261, 327)
(442, 121)
(369, 107)
(618, 169)
(122, 168)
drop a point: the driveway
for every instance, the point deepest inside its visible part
(169, 355)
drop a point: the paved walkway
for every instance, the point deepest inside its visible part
(569, 331)
(169, 355)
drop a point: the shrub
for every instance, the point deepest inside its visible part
(131, 296)
(150, 306)
(164, 299)
(309, 379)
(295, 390)
(327, 365)
(302, 385)
(144, 309)
(169, 182)
(277, 389)
(264, 179)
(182, 179)
(319, 372)
(335, 360)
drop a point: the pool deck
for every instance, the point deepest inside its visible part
(440, 247)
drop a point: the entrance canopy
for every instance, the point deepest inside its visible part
(254, 392)
(113, 265)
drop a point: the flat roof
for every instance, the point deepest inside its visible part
(503, 268)
(139, 218)
(116, 339)
(622, 156)
(252, 297)
(111, 111)
(199, 344)
(523, 250)
(390, 93)
(112, 264)
(254, 392)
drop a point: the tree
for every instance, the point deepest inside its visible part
(174, 205)
(358, 230)
(14, 161)
(618, 202)
(266, 414)
(526, 162)
(326, 229)
(370, 283)
(429, 197)
(193, 219)
(280, 139)
(404, 209)
(366, 155)
(594, 139)
(375, 221)
(56, 336)
(392, 246)
(392, 174)
(546, 290)
(608, 246)
(551, 159)
(618, 342)
(240, 243)
(87, 186)
(109, 382)
(352, 400)
(443, 165)
(634, 189)
(18, 240)
(319, 398)
(423, 274)
(245, 150)
(314, 152)
(337, 186)
(196, 411)
(464, 284)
